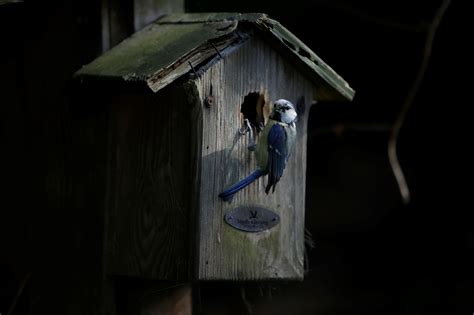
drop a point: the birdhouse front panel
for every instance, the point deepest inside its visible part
(243, 86)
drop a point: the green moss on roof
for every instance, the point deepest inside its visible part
(150, 50)
(159, 53)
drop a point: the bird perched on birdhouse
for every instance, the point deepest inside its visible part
(274, 149)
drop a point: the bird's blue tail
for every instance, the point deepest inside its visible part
(229, 192)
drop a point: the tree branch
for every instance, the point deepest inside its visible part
(392, 143)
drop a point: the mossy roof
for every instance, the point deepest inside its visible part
(178, 44)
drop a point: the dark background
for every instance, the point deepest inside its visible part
(372, 253)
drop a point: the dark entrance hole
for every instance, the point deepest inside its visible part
(252, 109)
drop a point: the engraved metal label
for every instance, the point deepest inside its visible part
(251, 219)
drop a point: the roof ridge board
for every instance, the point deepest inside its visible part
(191, 18)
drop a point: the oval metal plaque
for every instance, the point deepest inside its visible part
(251, 219)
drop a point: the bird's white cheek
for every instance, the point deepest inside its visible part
(290, 116)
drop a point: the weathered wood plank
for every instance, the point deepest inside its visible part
(156, 52)
(224, 252)
(330, 85)
(150, 186)
(206, 17)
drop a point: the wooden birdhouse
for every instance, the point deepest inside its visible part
(170, 106)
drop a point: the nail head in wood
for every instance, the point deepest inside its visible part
(209, 101)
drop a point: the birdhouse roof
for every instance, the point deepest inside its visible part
(185, 43)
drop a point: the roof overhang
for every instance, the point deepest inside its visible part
(183, 43)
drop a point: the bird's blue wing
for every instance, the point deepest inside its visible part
(277, 155)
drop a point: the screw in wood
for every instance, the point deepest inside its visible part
(209, 101)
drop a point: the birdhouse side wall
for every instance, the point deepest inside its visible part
(152, 159)
(223, 252)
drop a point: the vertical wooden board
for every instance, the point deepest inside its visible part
(149, 186)
(223, 251)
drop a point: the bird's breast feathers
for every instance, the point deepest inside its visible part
(262, 148)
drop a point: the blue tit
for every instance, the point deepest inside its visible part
(273, 149)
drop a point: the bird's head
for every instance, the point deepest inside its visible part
(283, 111)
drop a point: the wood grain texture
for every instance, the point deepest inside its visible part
(159, 54)
(225, 253)
(150, 186)
(329, 84)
